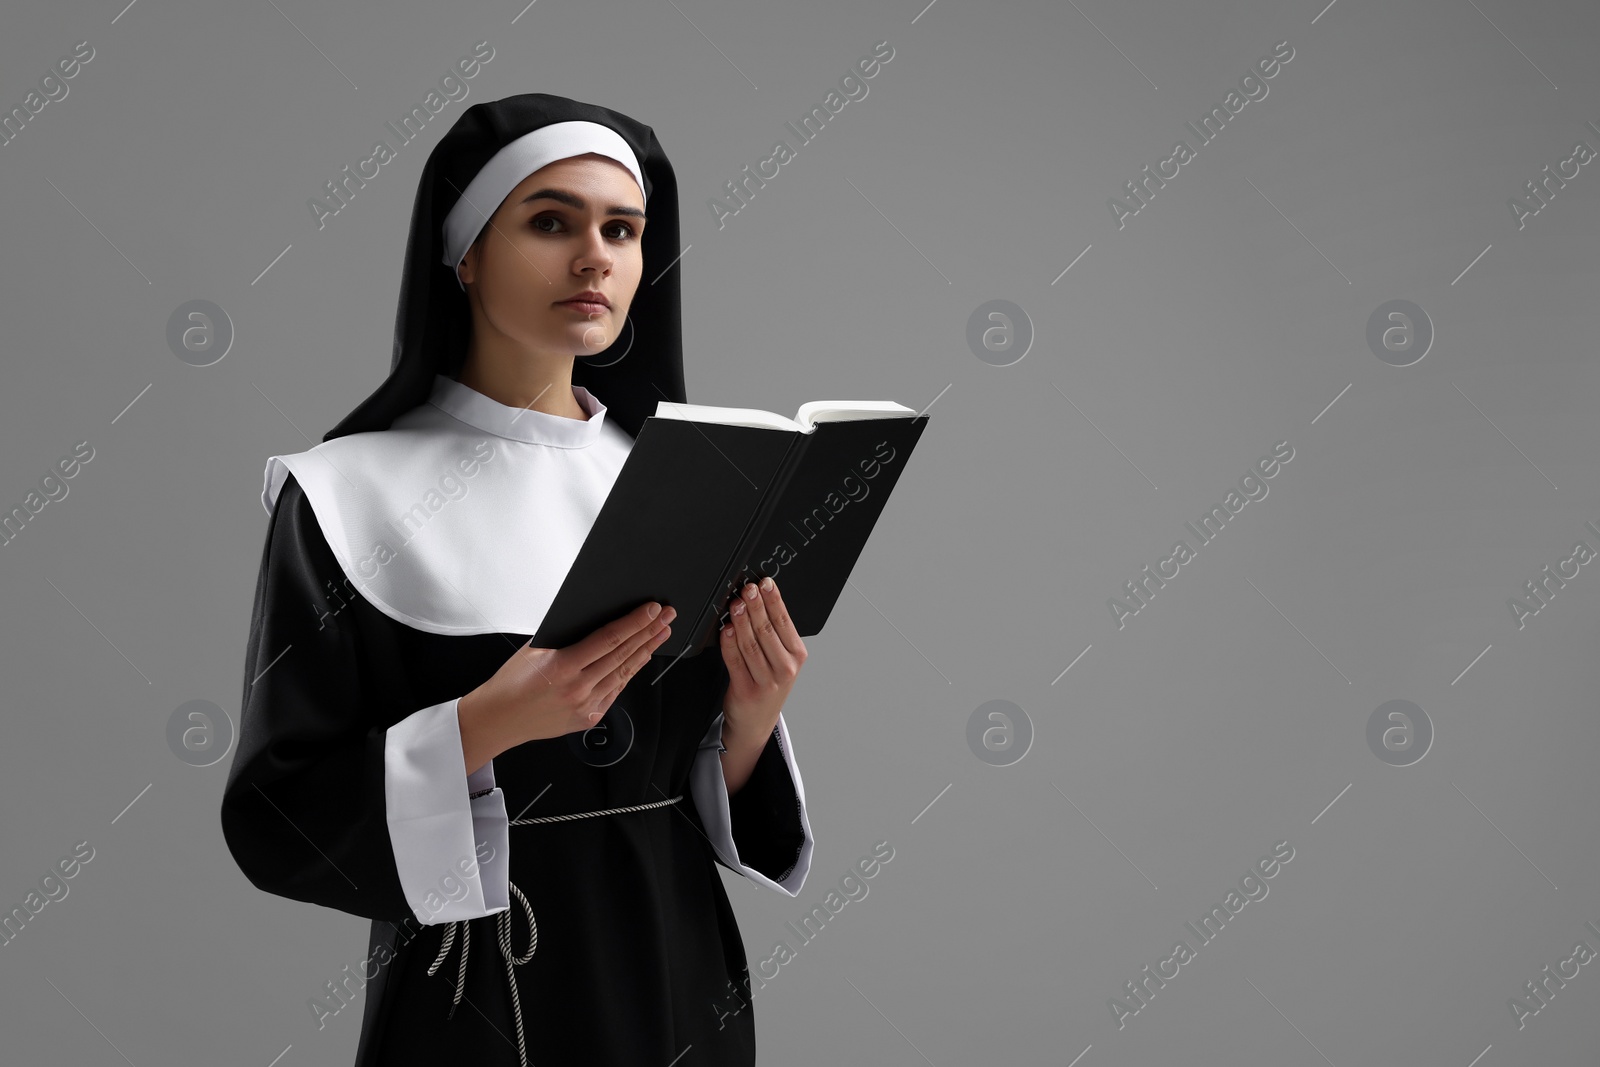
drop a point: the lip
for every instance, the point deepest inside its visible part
(589, 300)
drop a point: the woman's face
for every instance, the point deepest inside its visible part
(569, 227)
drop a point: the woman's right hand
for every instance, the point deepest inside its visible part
(547, 692)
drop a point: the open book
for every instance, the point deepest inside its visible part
(710, 498)
(804, 420)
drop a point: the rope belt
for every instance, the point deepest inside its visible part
(503, 926)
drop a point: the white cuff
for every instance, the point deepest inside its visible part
(710, 790)
(452, 851)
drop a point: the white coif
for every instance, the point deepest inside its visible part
(515, 161)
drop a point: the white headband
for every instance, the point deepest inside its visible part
(514, 162)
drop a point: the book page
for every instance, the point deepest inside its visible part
(666, 409)
(816, 411)
(809, 415)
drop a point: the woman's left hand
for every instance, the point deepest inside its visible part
(763, 653)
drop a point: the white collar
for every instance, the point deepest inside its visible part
(466, 514)
(519, 424)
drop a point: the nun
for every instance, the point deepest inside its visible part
(405, 754)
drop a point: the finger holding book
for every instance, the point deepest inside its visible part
(763, 652)
(540, 692)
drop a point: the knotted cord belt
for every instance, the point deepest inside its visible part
(503, 926)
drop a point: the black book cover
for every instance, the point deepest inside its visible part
(700, 508)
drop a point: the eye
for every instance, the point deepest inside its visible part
(627, 233)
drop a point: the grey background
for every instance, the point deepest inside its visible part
(1175, 353)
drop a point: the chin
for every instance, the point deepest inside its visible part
(594, 338)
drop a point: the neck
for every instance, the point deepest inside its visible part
(523, 380)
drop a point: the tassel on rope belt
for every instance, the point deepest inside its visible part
(503, 926)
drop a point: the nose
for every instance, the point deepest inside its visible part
(596, 254)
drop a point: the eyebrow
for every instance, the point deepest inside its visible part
(572, 200)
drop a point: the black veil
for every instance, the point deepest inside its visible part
(433, 322)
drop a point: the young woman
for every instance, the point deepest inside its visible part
(405, 754)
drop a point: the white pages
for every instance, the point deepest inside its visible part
(809, 415)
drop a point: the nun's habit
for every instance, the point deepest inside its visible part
(560, 905)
